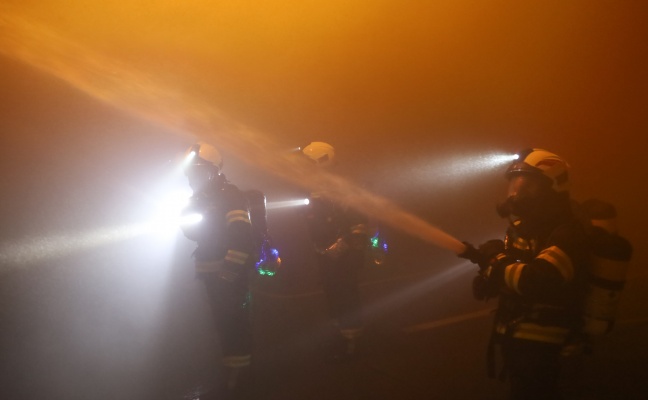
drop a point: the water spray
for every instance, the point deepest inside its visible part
(138, 92)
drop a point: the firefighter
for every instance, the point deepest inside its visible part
(538, 273)
(223, 256)
(339, 237)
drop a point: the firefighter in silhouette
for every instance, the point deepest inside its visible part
(339, 237)
(217, 219)
(538, 272)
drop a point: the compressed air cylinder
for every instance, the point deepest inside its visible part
(257, 204)
(611, 254)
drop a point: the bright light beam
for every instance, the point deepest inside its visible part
(29, 251)
(419, 288)
(163, 223)
(287, 203)
(404, 295)
(449, 169)
(166, 213)
(32, 250)
(500, 159)
(136, 91)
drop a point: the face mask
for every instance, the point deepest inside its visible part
(525, 207)
(520, 206)
(504, 208)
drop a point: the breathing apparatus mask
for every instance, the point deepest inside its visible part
(526, 195)
(202, 167)
(538, 189)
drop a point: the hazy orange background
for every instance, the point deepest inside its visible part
(394, 85)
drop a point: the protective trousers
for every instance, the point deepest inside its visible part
(340, 283)
(231, 308)
(533, 368)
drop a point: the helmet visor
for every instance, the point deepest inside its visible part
(199, 175)
(527, 186)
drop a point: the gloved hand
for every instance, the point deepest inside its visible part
(485, 254)
(483, 287)
(489, 251)
(471, 253)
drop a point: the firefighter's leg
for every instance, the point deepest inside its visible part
(533, 369)
(348, 301)
(231, 305)
(329, 274)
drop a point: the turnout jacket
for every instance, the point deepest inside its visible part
(224, 234)
(329, 223)
(540, 280)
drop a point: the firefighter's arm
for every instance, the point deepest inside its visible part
(485, 255)
(491, 258)
(559, 263)
(545, 274)
(355, 237)
(336, 249)
(552, 268)
(358, 235)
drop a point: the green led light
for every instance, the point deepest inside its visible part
(374, 241)
(266, 272)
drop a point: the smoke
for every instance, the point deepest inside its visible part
(34, 249)
(134, 91)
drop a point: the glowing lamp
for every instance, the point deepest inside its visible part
(191, 219)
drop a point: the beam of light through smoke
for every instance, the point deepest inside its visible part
(406, 294)
(273, 205)
(412, 292)
(161, 224)
(448, 170)
(472, 165)
(137, 92)
(34, 249)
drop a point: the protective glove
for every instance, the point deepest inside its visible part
(486, 253)
(484, 286)
(490, 250)
(471, 253)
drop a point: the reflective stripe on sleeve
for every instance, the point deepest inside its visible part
(512, 276)
(237, 215)
(236, 257)
(521, 244)
(360, 229)
(208, 266)
(556, 257)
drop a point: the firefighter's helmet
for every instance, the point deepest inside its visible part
(202, 153)
(542, 163)
(321, 153)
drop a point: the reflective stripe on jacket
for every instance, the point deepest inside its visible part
(541, 285)
(224, 235)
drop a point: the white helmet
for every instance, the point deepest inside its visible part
(323, 154)
(202, 153)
